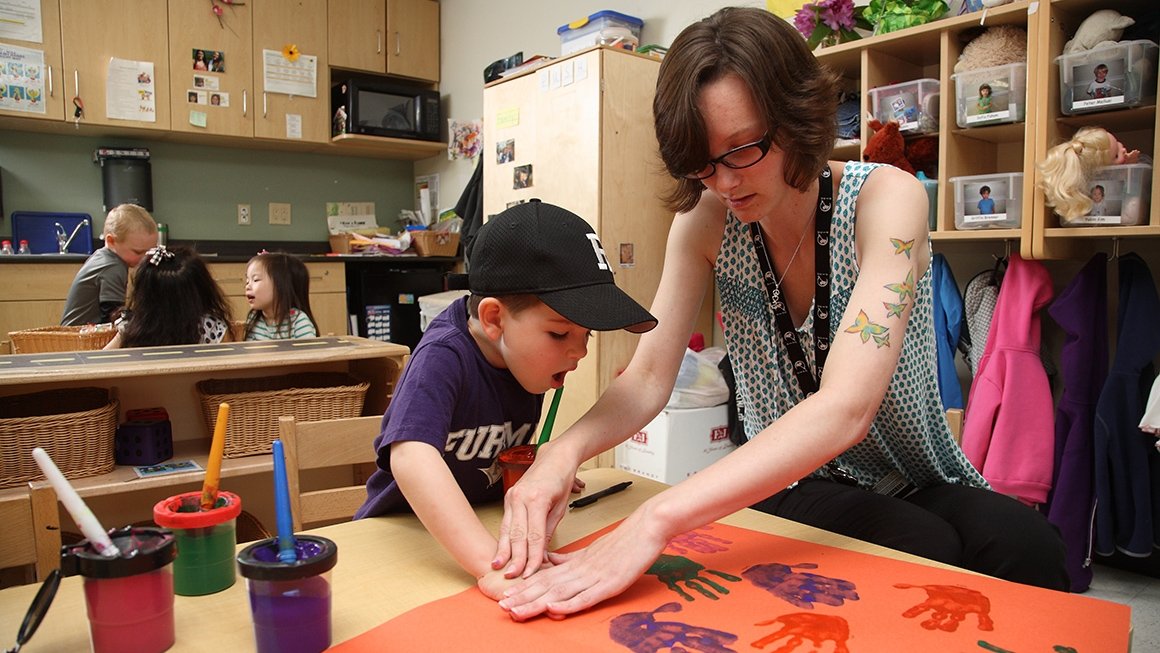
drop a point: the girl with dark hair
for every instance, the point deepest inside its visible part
(278, 292)
(174, 301)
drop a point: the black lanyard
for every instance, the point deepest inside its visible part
(801, 368)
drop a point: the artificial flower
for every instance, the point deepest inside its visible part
(826, 20)
(290, 52)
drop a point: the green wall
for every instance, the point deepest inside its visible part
(196, 189)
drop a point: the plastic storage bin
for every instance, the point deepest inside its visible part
(601, 28)
(1121, 195)
(1113, 77)
(913, 105)
(991, 96)
(988, 201)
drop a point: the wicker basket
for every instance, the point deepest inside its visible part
(257, 403)
(58, 338)
(435, 243)
(74, 425)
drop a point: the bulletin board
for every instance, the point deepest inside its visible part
(722, 588)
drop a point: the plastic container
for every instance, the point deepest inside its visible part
(931, 187)
(601, 28)
(290, 602)
(514, 462)
(992, 201)
(430, 306)
(130, 597)
(913, 105)
(991, 96)
(206, 541)
(1126, 191)
(1114, 77)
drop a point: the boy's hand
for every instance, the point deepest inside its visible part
(493, 583)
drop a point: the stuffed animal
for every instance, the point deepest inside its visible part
(1103, 27)
(886, 145)
(996, 46)
(922, 154)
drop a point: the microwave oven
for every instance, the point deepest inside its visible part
(379, 107)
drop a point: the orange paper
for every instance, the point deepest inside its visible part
(721, 588)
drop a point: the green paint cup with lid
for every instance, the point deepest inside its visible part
(206, 541)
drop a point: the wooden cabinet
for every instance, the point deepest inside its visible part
(304, 26)
(327, 293)
(48, 78)
(223, 49)
(93, 33)
(584, 125)
(930, 51)
(395, 37)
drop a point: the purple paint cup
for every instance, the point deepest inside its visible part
(290, 602)
(129, 597)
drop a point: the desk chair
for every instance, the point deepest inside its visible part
(31, 530)
(326, 443)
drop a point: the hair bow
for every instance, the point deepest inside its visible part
(157, 253)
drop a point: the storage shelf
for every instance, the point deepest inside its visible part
(978, 234)
(398, 148)
(1008, 133)
(1102, 232)
(1137, 118)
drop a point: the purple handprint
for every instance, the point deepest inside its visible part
(801, 589)
(699, 541)
(642, 633)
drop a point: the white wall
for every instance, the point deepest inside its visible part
(475, 33)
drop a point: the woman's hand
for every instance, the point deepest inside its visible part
(532, 509)
(581, 579)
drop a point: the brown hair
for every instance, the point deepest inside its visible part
(513, 303)
(797, 96)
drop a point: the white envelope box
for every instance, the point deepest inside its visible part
(677, 444)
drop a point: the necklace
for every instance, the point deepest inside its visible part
(785, 271)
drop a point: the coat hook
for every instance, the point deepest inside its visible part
(1007, 248)
(1115, 248)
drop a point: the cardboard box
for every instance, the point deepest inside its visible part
(677, 444)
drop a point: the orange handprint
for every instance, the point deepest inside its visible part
(949, 605)
(802, 626)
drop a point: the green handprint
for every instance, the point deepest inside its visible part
(671, 570)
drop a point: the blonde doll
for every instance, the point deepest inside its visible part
(1065, 174)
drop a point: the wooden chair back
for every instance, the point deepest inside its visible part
(321, 444)
(31, 530)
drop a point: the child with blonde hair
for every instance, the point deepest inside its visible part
(278, 292)
(98, 289)
(174, 301)
(1067, 169)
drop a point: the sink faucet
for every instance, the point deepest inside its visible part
(63, 240)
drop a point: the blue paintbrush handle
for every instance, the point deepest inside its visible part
(286, 545)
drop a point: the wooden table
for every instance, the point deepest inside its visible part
(386, 566)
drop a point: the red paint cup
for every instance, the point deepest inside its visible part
(129, 597)
(514, 462)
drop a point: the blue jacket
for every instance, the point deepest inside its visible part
(948, 326)
(1081, 310)
(1127, 467)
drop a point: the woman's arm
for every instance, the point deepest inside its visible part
(892, 205)
(534, 507)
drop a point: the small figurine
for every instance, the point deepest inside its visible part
(340, 121)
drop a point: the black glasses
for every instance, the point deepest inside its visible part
(737, 158)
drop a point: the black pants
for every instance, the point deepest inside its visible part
(967, 527)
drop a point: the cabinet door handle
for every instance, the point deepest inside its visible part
(397, 52)
(379, 41)
(50, 89)
(264, 104)
(245, 102)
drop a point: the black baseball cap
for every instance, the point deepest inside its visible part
(540, 249)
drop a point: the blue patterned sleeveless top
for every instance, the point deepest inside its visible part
(909, 433)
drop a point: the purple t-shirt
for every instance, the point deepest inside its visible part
(453, 399)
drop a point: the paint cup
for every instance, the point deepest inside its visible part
(206, 541)
(129, 597)
(514, 462)
(290, 602)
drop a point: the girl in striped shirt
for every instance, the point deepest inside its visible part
(277, 290)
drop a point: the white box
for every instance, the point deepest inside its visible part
(991, 96)
(1004, 210)
(1126, 190)
(913, 105)
(677, 444)
(1128, 71)
(430, 306)
(601, 28)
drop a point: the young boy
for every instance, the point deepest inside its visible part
(99, 287)
(986, 205)
(540, 284)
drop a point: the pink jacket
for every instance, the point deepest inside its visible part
(1009, 430)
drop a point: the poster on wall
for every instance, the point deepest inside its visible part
(20, 20)
(129, 91)
(292, 76)
(21, 79)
